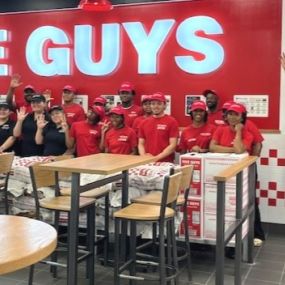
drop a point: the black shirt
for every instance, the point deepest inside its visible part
(6, 131)
(54, 140)
(28, 143)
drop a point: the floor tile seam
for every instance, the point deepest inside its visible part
(280, 282)
(252, 264)
(210, 277)
(264, 281)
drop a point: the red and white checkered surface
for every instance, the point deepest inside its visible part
(270, 188)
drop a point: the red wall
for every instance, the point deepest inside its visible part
(251, 41)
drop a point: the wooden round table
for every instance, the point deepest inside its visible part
(24, 242)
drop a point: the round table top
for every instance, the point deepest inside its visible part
(24, 242)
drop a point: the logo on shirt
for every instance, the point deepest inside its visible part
(93, 132)
(70, 115)
(5, 127)
(205, 134)
(161, 127)
(219, 122)
(133, 114)
(122, 138)
(192, 140)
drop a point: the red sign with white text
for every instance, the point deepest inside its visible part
(179, 48)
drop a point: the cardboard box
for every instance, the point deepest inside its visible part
(214, 163)
(195, 219)
(210, 222)
(195, 159)
(210, 198)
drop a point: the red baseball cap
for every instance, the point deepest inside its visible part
(99, 110)
(158, 96)
(198, 105)
(228, 104)
(146, 98)
(236, 108)
(69, 88)
(30, 87)
(117, 111)
(208, 91)
(126, 86)
(100, 100)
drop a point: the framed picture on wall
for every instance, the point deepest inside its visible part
(189, 99)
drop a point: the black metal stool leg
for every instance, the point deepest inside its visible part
(169, 246)
(31, 274)
(133, 237)
(162, 273)
(53, 269)
(90, 242)
(106, 230)
(117, 252)
(174, 248)
(187, 245)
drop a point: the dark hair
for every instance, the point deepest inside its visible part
(243, 117)
(205, 116)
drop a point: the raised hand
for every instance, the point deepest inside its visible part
(105, 126)
(21, 114)
(238, 127)
(64, 124)
(15, 81)
(41, 122)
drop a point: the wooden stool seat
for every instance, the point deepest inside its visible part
(143, 212)
(24, 242)
(63, 203)
(96, 193)
(180, 200)
(154, 198)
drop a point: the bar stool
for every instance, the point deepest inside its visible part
(6, 160)
(46, 178)
(97, 194)
(159, 214)
(154, 198)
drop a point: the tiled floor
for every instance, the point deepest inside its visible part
(268, 269)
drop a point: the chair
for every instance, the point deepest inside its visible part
(154, 198)
(97, 194)
(6, 160)
(46, 178)
(158, 214)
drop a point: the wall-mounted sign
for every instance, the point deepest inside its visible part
(256, 105)
(185, 48)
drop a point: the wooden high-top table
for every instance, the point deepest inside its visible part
(24, 242)
(116, 166)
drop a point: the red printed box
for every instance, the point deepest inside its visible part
(214, 163)
(210, 198)
(195, 159)
(195, 219)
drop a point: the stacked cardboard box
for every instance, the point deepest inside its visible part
(201, 204)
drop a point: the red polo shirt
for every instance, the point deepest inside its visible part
(87, 137)
(225, 136)
(252, 128)
(216, 118)
(196, 136)
(137, 123)
(74, 113)
(131, 113)
(121, 141)
(156, 132)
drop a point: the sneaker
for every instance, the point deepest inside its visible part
(257, 242)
